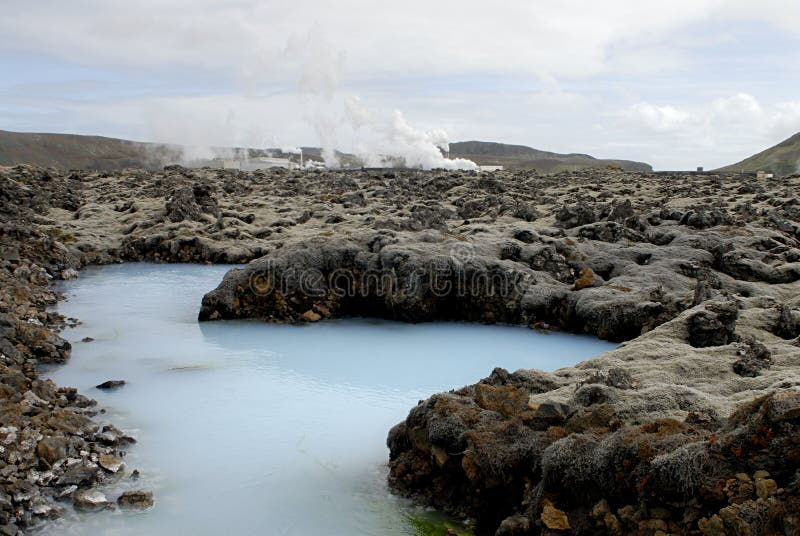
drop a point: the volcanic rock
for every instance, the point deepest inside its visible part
(137, 499)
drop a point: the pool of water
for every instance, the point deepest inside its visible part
(245, 427)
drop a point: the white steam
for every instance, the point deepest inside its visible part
(378, 139)
(313, 69)
(381, 139)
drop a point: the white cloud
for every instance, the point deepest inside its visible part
(659, 118)
(720, 131)
(741, 110)
(249, 37)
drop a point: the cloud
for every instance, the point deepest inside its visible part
(659, 118)
(248, 38)
(710, 118)
(722, 130)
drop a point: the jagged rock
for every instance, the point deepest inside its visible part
(755, 357)
(702, 219)
(616, 377)
(788, 325)
(525, 236)
(575, 216)
(110, 463)
(69, 273)
(533, 381)
(137, 499)
(526, 212)
(586, 279)
(609, 232)
(182, 206)
(79, 475)
(715, 325)
(90, 500)
(750, 266)
(551, 413)
(112, 436)
(191, 203)
(110, 384)
(311, 316)
(592, 394)
(44, 508)
(52, 449)
(764, 486)
(553, 518)
(784, 406)
(475, 208)
(514, 526)
(622, 211)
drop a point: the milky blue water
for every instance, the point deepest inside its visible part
(250, 428)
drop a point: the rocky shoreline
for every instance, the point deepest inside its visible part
(55, 449)
(691, 426)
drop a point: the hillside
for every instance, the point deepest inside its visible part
(520, 156)
(782, 159)
(99, 153)
(71, 151)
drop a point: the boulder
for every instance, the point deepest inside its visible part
(80, 475)
(570, 216)
(191, 203)
(110, 384)
(586, 279)
(553, 518)
(113, 437)
(90, 500)
(755, 357)
(52, 449)
(516, 525)
(622, 211)
(110, 463)
(136, 500)
(715, 325)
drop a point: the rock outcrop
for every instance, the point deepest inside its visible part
(667, 443)
(191, 203)
(136, 500)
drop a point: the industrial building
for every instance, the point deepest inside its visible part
(490, 168)
(252, 164)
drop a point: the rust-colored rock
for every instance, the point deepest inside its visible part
(553, 518)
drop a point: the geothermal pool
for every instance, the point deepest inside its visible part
(245, 427)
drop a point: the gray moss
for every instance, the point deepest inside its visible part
(684, 469)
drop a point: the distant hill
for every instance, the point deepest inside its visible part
(782, 159)
(520, 156)
(74, 151)
(71, 151)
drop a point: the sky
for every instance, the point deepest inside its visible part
(676, 84)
